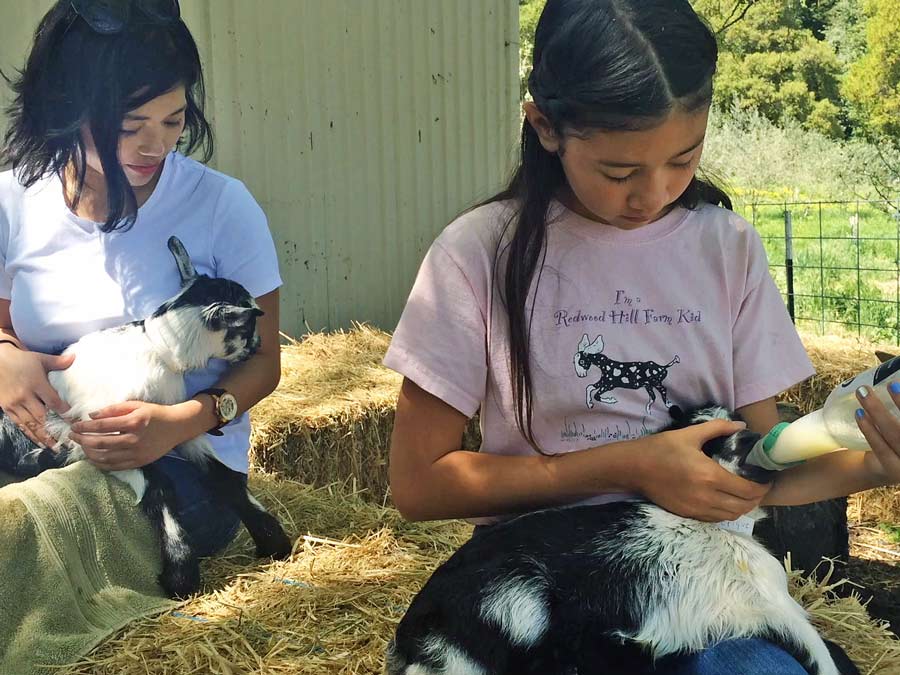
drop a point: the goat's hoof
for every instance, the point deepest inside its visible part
(277, 546)
(180, 581)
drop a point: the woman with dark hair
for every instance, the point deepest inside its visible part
(110, 98)
(603, 285)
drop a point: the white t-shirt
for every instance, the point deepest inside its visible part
(682, 310)
(65, 278)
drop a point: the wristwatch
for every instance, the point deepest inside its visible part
(225, 408)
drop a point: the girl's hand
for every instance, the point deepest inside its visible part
(129, 435)
(26, 394)
(676, 475)
(882, 431)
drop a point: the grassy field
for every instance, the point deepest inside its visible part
(846, 269)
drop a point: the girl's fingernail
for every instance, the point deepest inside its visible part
(860, 413)
(862, 392)
(895, 387)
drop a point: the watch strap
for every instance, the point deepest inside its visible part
(215, 392)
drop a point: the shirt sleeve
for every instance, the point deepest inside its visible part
(768, 354)
(5, 279)
(242, 245)
(440, 341)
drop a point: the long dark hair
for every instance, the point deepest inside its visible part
(610, 65)
(75, 75)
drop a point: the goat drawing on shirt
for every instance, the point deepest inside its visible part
(647, 375)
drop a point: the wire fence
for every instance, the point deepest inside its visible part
(837, 263)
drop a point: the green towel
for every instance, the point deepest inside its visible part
(78, 561)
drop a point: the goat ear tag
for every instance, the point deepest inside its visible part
(743, 525)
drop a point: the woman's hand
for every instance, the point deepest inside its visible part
(882, 431)
(676, 475)
(26, 394)
(129, 435)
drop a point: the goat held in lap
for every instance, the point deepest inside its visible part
(612, 589)
(146, 361)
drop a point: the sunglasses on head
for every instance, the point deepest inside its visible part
(112, 16)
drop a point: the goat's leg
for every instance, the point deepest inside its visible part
(38, 460)
(799, 639)
(844, 665)
(595, 393)
(652, 394)
(180, 576)
(18, 453)
(268, 535)
(664, 394)
(589, 395)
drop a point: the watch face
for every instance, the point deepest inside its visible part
(227, 407)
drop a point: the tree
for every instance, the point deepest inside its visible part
(529, 13)
(723, 14)
(772, 61)
(873, 83)
(845, 31)
(774, 57)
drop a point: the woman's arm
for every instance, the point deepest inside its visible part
(837, 474)
(25, 391)
(432, 477)
(147, 431)
(6, 327)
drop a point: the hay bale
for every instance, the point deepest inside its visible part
(836, 359)
(331, 417)
(334, 605)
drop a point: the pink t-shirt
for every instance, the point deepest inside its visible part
(682, 309)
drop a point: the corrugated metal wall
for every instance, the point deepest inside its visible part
(361, 126)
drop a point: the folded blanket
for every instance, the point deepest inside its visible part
(78, 561)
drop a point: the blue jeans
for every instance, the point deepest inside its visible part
(210, 523)
(752, 656)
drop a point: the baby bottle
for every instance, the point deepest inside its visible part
(832, 428)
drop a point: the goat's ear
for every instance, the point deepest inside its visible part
(222, 316)
(884, 356)
(183, 260)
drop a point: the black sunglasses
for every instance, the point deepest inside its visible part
(112, 16)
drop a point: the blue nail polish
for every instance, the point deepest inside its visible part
(860, 413)
(895, 387)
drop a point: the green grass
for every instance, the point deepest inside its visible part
(893, 532)
(846, 276)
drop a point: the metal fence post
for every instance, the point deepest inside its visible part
(789, 260)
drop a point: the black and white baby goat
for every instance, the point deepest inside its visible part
(146, 360)
(614, 589)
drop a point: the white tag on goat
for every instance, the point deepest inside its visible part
(742, 525)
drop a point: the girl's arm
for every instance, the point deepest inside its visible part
(25, 391)
(433, 478)
(6, 327)
(836, 474)
(147, 431)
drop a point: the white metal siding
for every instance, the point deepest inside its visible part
(361, 126)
